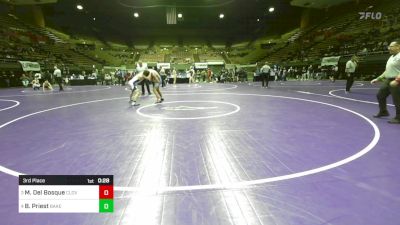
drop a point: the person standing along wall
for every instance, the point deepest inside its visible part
(209, 75)
(191, 75)
(264, 72)
(25, 80)
(58, 76)
(174, 74)
(163, 75)
(350, 70)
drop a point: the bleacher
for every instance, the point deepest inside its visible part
(211, 56)
(343, 34)
(151, 55)
(181, 55)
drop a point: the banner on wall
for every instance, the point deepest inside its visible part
(330, 61)
(247, 66)
(214, 63)
(113, 68)
(164, 65)
(30, 66)
(200, 65)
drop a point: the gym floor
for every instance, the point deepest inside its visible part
(211, 154)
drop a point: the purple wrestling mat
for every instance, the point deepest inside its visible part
(210, 154)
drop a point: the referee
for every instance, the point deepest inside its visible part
(392, 70)
(58, 77)
(265, 70)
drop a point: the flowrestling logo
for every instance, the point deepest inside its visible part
(370, 15)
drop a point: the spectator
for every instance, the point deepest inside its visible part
(35, 84)
(25, 80)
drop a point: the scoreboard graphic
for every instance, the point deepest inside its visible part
(66, 194)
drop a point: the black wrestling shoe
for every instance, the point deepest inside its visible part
(381, 114)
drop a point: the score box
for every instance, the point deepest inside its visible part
(106, 197)
(66, 194)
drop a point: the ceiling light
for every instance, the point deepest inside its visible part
(271, 9)
(136, 15)
(94, 18)
(180, 15)
(221, 16)
(79, 6)
(258, 20)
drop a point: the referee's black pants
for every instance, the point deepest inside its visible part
(145, 82)
(264, 79)
(350, 81)
(384, 91)
(59, 82)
